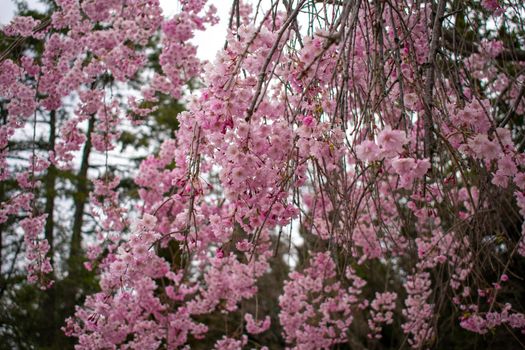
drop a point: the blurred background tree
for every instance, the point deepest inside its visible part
(29, 317)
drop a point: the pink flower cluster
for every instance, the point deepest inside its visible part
(341, 135)
(316, 309)
(83, 43)
(382, 312)
(417, 310)
(265, 142)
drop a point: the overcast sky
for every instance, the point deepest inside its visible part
(208, 42)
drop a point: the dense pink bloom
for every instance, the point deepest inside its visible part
(278, 135)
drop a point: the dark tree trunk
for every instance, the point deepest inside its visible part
(72, 284)
(80, 201)
(49, 299)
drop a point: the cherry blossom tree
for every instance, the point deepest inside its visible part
(373, 147)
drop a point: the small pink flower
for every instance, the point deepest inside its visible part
(149, 221)
(492, 5)
(367, 151)
(507, 166)
(519, 180)
(308, 120)
(254, 327)
(484, 148)
(500, 180)
(403, 166)
(391, 141)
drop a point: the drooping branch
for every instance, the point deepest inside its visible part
(460, 45)
(430, 76)
(262, 75)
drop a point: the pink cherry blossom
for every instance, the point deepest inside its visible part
(367, 151)
(391, 141)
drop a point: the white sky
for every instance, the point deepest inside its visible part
(6, 11)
